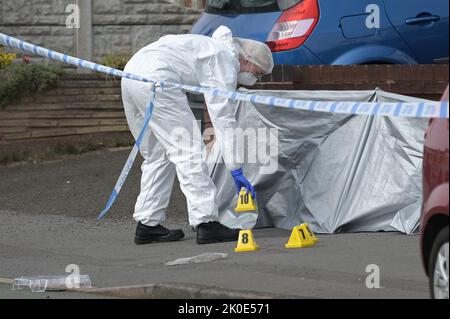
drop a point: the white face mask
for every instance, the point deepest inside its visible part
(247, 78)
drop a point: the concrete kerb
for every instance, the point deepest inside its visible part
(181, 291)
(171, 291)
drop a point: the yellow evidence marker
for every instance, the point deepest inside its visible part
(301, 237)
(246, 242)
(245, 202)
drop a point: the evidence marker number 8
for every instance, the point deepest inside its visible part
(245, 238)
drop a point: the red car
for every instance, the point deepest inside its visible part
(434, 222)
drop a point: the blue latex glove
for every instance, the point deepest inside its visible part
(241, 181)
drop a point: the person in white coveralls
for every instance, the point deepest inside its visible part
(220, 61)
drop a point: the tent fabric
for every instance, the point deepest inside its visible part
(338, 173)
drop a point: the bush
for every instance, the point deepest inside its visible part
(116, 61)
(17, 80)
(76, 149)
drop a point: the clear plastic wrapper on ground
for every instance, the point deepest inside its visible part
(203, 258)
(56, 283)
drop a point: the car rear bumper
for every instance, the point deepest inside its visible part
(301, 55)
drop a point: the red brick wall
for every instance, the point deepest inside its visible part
(424, 81)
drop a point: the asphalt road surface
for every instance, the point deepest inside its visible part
(48, 220)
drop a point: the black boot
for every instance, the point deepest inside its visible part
(215, 232)
(149, 234)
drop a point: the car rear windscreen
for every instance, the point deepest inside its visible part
(248, 6)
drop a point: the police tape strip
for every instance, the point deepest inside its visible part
(46, 53)
(426, 109)
(131, 158)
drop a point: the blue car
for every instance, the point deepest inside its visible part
(337, 32)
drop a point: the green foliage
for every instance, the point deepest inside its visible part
(61, 150)
(116, 61)
(13, 157)
(17, 80)
(76, 149)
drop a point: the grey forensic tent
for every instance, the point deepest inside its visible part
(337, 172)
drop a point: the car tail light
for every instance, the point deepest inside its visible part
(294, 26)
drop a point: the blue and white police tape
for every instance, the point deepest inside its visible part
(426, 109)
(46, 53)
(132, 157)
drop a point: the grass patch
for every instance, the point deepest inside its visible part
(62, 149)
(58, 151)
(14, 157)
(124, 143)
(116, 60)
(18, 80)
(76, 149)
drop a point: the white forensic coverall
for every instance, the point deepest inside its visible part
(170, 146)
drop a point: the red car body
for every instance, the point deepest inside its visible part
(435, 185)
